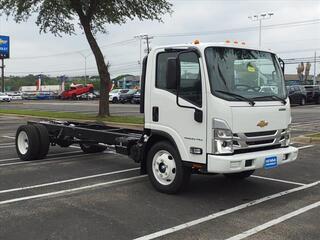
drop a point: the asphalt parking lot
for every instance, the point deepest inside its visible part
(71, 195)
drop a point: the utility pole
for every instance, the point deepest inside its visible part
(315, 68)
(85, 65)
(2, 75)
(260, 17)
(146, 37)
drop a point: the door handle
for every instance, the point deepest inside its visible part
(155, 114)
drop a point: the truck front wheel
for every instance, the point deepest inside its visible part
(239, 175)
(165, 169)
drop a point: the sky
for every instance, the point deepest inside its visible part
(206, 20)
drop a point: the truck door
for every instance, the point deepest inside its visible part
(181, 118)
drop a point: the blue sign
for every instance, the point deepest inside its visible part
(4, 47)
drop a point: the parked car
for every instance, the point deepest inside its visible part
(15, 95)
(86, 96)
(127, 97)
(114, 95)
(136, 97)
(76, 90)
(4, 97)
(96, 93)
(297, 94)
(313, 93)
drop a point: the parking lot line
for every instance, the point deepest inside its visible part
(274, 222)
(46, 161)
(278, 180)
(71, 190)
(224, 212)
(68, 180)
(304, 147)
(51, 155)
(9, 137)
(7, 146)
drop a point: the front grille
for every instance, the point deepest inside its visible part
(258, 134)
(260, 142)
(251, 140)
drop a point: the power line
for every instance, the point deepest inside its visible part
(238, 30)
(120, 43)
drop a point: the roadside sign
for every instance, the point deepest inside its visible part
(4, 47)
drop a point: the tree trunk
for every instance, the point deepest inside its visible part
(102, 69)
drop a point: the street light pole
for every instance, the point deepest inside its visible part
(85, 65)
(260, 17)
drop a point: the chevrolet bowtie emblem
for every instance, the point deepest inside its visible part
(262, 124)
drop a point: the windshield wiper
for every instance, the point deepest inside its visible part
(274, 97)
(239, 97)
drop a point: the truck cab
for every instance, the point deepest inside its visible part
(206, 111)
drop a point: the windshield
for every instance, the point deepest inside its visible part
(132, 91)
(249, 73)
(115, 90)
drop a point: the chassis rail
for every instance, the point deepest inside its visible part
(64, 134)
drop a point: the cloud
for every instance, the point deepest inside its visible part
(188, 16)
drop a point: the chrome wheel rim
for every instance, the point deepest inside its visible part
(164, 167)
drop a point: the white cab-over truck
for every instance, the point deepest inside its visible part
(208, 108)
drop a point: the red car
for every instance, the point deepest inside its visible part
(76, 90)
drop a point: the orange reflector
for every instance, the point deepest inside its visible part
(197, 166)
(196, 42)
(235, 42)
(228, 41)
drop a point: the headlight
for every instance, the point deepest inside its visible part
(286, 137)
(223, 141)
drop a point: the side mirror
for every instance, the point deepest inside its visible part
(172, 74)
(282, 64)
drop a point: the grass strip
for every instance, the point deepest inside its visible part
(316, 135)
(73, 116)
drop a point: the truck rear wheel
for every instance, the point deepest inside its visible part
(27, 142)
(92, 148)
(165, 169)
(44, 143)
(239, 175)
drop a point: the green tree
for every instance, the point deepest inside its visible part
(60, 16)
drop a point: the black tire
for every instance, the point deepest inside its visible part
(74, 97)
(44, 141)
(317, 100)
(182, 173)
(302, 101)
(115, 100)
(239, 175)
(92, 148)
(32, 139)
